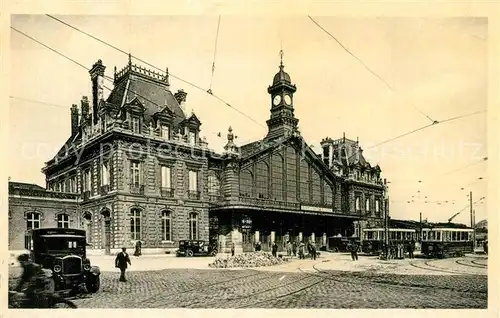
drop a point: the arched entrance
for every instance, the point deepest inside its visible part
(106, 215)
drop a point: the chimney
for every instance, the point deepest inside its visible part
(85, 109)
(180, 96)
(97, 78)
(74, 119)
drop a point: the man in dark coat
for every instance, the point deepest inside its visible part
(138, 248)
(274, 249)
(411, 248)
(121, 261)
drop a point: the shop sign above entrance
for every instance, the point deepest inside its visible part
(315, 208)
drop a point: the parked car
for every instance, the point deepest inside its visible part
(63, 251)
(196, 248)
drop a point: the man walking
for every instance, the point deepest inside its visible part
(232, 248)
(274, 249)
(121, 261)
(411, 249)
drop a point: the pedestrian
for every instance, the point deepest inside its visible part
(274, 249)
(302, 248)
(258, 247)
(232, 248)
(313, 250)
(485, 247)
(411, 248)
(121, 261)
(354, 251)
(138, 247)
(294, 248)
(288, 248)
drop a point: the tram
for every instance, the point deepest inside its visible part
(446, 242)
(373, 239)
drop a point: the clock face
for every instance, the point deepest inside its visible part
(277, 99)
(288, 100)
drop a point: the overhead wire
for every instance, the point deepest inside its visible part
(153, 66)
(366, 66)
(37, 102)
(215, 55)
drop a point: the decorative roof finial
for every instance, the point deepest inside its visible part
(129, 59)
(166, 78)
(281, 57)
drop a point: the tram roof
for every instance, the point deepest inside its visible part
(391, 230)
(448, 229)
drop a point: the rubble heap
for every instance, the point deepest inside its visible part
(254, 259)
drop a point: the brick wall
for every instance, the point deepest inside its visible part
(48, 208)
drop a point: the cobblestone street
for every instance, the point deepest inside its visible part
(312, 285)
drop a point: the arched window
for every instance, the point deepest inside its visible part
(166, 226)
(63, 221)
(135, 224)
(33, 220)
(88, 226)
(193, 226)
(367, 205)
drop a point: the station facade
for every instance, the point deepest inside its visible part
(136, 168)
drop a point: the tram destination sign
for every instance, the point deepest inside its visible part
(315, 208)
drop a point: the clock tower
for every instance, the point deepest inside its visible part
(282, 122)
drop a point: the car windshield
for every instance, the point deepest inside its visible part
(64, 244)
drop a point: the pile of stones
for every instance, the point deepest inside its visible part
(254, 259)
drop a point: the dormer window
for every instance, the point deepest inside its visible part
(136, 127)
(165, 131)
(192, 137)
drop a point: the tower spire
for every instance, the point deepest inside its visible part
(129, 59)
(281, 58)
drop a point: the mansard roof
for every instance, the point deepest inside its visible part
(153, 93)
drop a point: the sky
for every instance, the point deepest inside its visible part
(437, 67)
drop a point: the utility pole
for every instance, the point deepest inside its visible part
(474, 229)
(421, 228)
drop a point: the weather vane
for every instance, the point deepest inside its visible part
(281, 56)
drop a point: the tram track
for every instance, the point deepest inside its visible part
(479, 264)
(470, 265)
(439, 269)
(385, 283)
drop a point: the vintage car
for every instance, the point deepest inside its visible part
(63, 251)
(196, 248)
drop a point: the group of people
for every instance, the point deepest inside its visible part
(292, 249)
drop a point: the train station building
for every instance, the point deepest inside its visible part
(135, 168)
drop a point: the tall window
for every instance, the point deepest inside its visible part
(136, 125)
(135, 173)
(135, 224)
(86, 180)
(213, 185)
(193, 226)
(357, 203)
(105, 174)
(166, 177)
(192, 137)
(33, 221)
(63, 221)
(166, 226)
(193, 180)
(367, 204)
(71, 185)
(377, 206)
(165, 131)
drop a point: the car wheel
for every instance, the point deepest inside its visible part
(93, 284)
(189, 253)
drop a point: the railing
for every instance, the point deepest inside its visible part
(136, 189)
(167, 192)
(194, 195)
(43, 193)
(138, 69)
(215, 198)
(364, 180)
(269, 203)
(105, 189)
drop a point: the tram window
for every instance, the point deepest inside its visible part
(438, 236)
(369, 235)
(454, 236)
(393, 235)
(424, 236)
